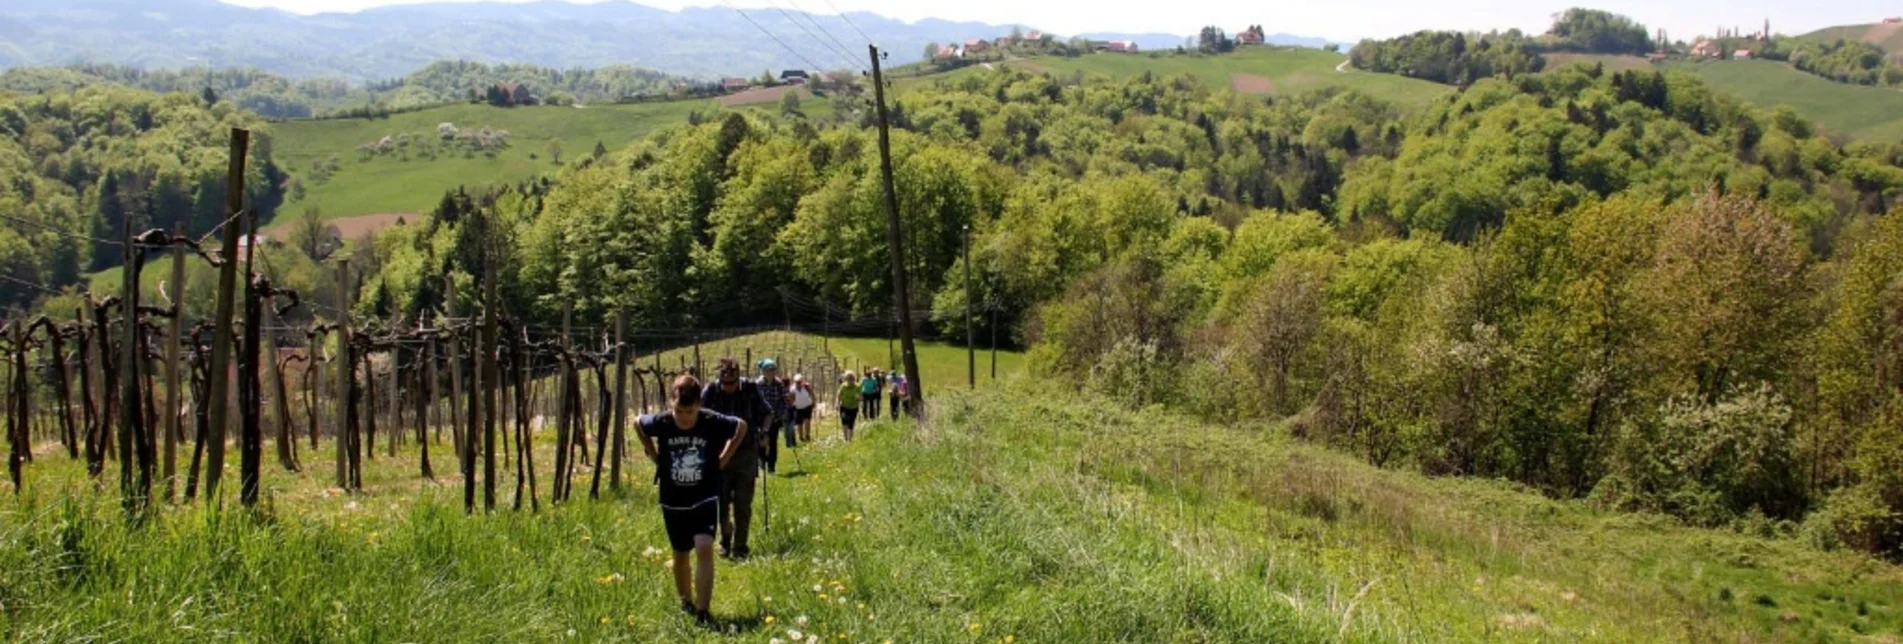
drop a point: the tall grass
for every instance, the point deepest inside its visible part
(1032, 518)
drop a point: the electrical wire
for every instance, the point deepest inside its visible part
(57, 230)
(850, 63)
(769, 34)
(849, 23)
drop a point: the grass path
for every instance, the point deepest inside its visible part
(1009, 518)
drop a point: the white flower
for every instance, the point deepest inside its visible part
(796, 635)
(651, 552)
(801, 620)
(776, 641)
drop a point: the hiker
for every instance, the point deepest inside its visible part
(905, 395)
(849, 388)
(690, 446)
(803, 403)
(741, 399)
(892, 390)
(869, 393)
(774, 390)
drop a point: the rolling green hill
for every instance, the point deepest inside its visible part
(1888, 37)
(387, 184)
(1267, 70)
(1868, 113)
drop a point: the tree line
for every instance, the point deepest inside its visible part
(1458, 58)
(277, 97)
(80, 166)
(1620, 287)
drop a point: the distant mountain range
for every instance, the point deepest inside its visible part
(388, 42)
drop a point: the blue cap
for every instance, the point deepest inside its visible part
(768, 364)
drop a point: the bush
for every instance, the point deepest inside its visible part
(1853, 517)
(1709, 464)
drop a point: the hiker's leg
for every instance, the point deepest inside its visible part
(739, 518)
(727, 518)
(704, 570)
(681, 574)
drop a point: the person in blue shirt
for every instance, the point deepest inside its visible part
(869, 393)
(780, 399)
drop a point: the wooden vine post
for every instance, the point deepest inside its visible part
(220, 364)
(174, 390)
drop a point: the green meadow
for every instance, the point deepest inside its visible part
(1003, 518)
(1289, 70)
(388, 184)
(1861, 112)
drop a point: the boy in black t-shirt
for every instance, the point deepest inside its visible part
(690, 446)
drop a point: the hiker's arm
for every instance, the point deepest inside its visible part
(647, 444)
(733, 444)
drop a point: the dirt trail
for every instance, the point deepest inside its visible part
(1251, 84)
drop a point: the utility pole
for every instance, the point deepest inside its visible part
(219, 389)
(971, 346)
(249, 433)
(902, 294)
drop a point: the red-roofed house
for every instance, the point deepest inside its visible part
(975, 45)
(1251, 36)
(735, 84)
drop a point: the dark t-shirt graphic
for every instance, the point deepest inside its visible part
(690, 460)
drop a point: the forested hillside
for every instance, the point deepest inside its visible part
(1616, 286)
(1462, 59)
(277, 97)
(79, 165)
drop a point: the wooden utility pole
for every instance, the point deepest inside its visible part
(175, 335)
(218, 391)
(971, 345)
(621, 401)
(994, 340)
(902, 293)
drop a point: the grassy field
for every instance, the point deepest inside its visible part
(1614, 63)
(1008, 518)
(386, 184)
(1288, 71)
(1888, 38)
(1867, 113)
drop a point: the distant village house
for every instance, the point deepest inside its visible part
(1114, 46)
(1251, 36)
(794, 77)
(735, 84)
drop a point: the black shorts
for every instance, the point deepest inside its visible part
(684, 525)
(802, 415)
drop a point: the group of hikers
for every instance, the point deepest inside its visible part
(708, 451)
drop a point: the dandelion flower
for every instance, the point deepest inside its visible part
(604, 620)
(796, 635)
(822, 597)
(975, 627)
(801, 620)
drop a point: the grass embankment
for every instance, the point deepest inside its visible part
(1287, 70)
(1867, 113)
(1035, 518)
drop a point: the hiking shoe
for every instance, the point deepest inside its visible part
(741, 553)
(687, 607)
(704, 618)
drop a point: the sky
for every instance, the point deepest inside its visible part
(1332, 19)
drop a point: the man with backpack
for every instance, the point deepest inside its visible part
(741, 399)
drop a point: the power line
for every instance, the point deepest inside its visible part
(22, 282)
(849, 23)
(837, 50)
(769, 34)
(60, 231)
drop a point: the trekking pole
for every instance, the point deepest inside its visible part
(766, 502)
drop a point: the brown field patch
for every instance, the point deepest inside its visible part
(1250, 84)
(1612, 63)
(352, 227)
(757, 95)
(1882, 32)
